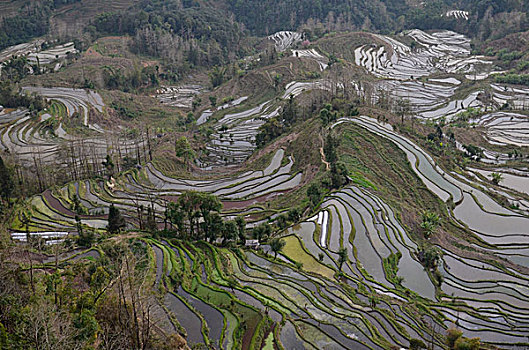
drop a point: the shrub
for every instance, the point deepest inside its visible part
(452, 335)
(416, 344)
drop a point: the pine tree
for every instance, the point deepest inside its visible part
(115, 221)
(6, 182)
(241, 229)
(342, 257)
(151, 220)
(109, 165)
(86, 238)
(4, 340)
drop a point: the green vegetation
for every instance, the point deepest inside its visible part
(518, 79)
(295, 251)
(195, 216)
(11, 97)
(269, 131)
(262, 232)
(342, 257)
(152, 24)
(6, 182)
(277, 245)
(183, 150)
(146, 77)
(430, 222)
(115, 221)
(456, 341)
(416, 344)
(430, 257)
(277, 126)
(391, 266)
(31, 21)
(496, 178)
(327, 115)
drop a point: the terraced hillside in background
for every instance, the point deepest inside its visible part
(75, 17)
(10, 8)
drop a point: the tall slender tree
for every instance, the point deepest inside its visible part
(342, 257)
(116, 222)
(277, 245)
(6, 181)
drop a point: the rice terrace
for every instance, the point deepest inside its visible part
(270, 174)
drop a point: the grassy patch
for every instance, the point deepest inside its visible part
(295, 251)
(391, 267)
(269, 342)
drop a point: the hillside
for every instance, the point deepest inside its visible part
(266, 174)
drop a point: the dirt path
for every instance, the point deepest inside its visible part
(328, 166)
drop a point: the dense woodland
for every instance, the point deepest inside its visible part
(205, 34)
(32, 21)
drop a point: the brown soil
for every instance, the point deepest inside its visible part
(513, 42)
(247, 338)
(92, 53)
(58, 206)
(327, 165)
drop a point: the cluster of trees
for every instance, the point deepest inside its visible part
(276, 126)
(115, 79)
(487, 20)
(269, 131)
(263, 231)
(116, 222)
(184, 150)
(328, 114)
(337, 176)
(474, 152)
(196, 216)
(508, 56)
(269, 16)
(293, 215)
(193, 34)
(101, 303)
(316, 17)
(15, 69)
(11, 97)
(217, 76)
(209, 34)
(31, 21)
(338, 170)
(517, 79)
(456, 341)
(6, 182)
(429, 257)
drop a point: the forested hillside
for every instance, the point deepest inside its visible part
(31, 20)
(222, 24)
(165, 29)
